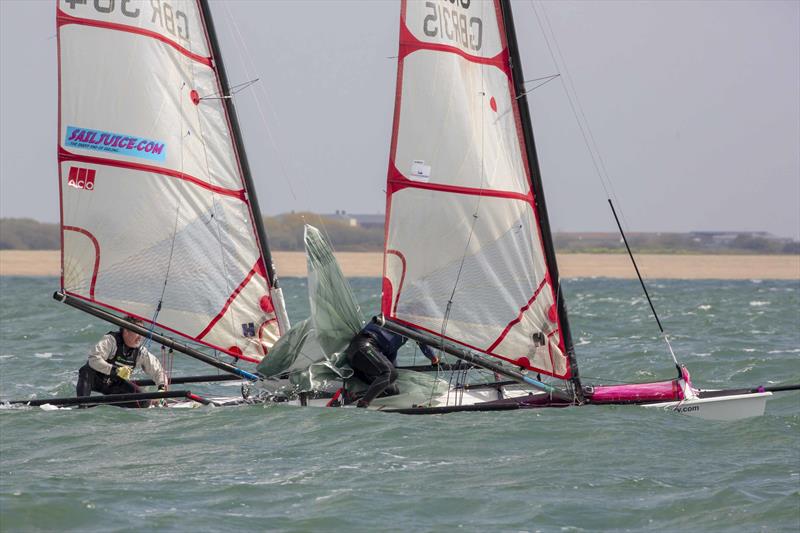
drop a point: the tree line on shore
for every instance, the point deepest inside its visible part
(285, 233)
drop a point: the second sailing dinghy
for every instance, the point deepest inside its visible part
(469, 264)
(159, 216)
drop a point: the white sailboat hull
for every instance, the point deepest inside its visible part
(724, 408)
(733, 407)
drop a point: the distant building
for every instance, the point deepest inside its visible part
(724, 238)
(354, 220)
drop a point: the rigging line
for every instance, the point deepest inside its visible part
(536, 87)
(215, 209)
(448, 309)
(580, 115)
(571, 103)
(644, 287)
(596, 156)
(510, 109)
(166, 277)
(583, 124)
(232, 90)
(548, 78)
(175, 227)
(243, 57)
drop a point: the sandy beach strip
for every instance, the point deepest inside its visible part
(370, 264)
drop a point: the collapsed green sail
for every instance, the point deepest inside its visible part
(311, 353)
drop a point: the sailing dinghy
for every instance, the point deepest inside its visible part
(469, 262)
(159, 216)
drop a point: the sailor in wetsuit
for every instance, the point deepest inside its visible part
(372, 354)
(113, 359)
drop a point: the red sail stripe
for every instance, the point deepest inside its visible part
(96, 255)
(63, 19)
(519, 317)
(398, 182)
(514, 362)
(231, 298)
(64, 155)
(410, 44)
(402, 279)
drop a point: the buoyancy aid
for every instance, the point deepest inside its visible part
(123, 355)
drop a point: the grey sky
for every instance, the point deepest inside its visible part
(695, 108)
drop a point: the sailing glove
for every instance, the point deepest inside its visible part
(123, 372)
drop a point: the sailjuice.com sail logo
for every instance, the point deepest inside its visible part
(115, 143)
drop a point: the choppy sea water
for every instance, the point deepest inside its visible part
(255, 468)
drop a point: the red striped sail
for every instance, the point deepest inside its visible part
(464, 256)
(155, 215)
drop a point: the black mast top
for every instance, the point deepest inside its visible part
(536, 184)
(237, 137)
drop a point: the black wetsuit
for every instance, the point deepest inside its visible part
(371, 367)
(90, 379)
(372, 354)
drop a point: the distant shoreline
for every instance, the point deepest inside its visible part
(40, 263)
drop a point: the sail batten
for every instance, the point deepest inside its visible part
(159, 219)
(466, 255)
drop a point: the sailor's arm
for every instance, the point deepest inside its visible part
(152, 367)
(428, 352)
(100, 353)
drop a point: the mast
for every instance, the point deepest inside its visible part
(258, 222)
(538, 191)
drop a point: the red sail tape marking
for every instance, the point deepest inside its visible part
(64, 155)
(397, 184)
(512, 361)
(96, 254)
(519, 317)
(410, 44)
(231, 298)
(63, 19)
(402, 279)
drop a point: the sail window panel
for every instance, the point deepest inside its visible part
(468, 25)
(79, 262)
(144, 93)
(150, 229)
(495, 265)
(178, 21)
(456, 117)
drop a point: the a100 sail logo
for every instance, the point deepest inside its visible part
(81, 178)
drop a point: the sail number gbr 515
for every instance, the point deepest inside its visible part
(171, 20)
(445, 20)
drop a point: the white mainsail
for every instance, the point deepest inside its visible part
(156, 219)
(464, 256)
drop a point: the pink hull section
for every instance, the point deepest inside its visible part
(661, 391)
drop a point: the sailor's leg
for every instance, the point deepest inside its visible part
(391, 390)
(86, 380)
(120, 386)
(378, 370)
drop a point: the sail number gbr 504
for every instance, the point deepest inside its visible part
(448, 21)
(161, 13)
